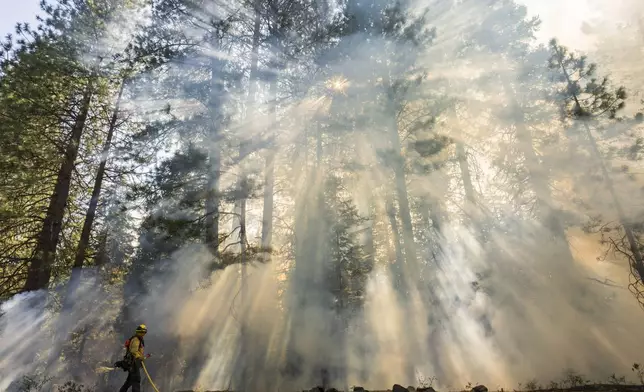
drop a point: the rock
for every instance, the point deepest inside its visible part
(332, 390)
(316, 389)
(358, 389)
(399, 388)
(479, 388)
(411, 389)
(426, 389)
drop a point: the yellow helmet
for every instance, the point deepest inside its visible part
(141, 329)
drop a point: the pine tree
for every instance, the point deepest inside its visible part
(31, 140)
(76, 28)
(586, 99)
(44, 68)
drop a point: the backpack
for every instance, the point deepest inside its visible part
(127, 363)
(127, 344)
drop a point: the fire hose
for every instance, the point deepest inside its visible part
(149, 378)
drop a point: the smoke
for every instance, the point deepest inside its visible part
(493, 303)
(20, 321)
(36, 332)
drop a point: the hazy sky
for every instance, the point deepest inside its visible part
(560, 18)
(580, 23)
(14, 11)
(564, 19)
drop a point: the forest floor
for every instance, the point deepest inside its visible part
(579, 388)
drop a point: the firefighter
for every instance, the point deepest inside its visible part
(134, 355)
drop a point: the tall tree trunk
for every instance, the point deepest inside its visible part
(638, 260)
(471, 208)
(214, 161)
(405, 216)
(39, 272)
(83, 243)
(401, 189)
(242, 203)
(269, 183)
(411, 270)
(212, 201)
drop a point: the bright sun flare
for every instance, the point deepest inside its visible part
(337, 84)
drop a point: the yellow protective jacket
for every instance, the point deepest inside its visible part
(136, 348)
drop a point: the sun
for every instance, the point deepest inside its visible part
(337, 84)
